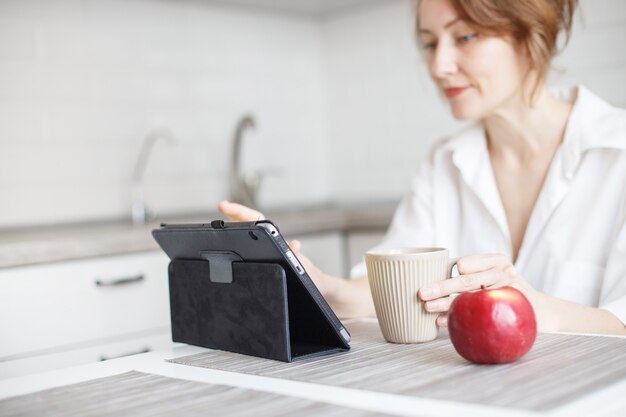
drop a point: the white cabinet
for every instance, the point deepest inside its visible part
(73, 312)
(325, 250)
(360, 242)
(337, 252)
(65, 358)
(49, 309)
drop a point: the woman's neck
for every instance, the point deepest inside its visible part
(521, 132)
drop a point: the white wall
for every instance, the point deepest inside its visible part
(596, 54)
(83, 81)
(384, 112)
(344, 105)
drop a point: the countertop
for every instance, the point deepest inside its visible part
(35, 245)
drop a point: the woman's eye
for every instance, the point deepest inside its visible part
(429, 45)
(467, 38)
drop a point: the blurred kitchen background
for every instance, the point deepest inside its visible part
(343, 106)
(110, 105)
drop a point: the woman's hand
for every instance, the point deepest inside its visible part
(240, 213)
(348, 299)
(476, 272)
(322, 281)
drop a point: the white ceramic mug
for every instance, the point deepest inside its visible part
(395, 276)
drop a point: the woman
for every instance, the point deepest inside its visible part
(535, 190)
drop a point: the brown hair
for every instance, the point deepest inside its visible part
(534, 24)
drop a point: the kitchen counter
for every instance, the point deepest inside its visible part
(563, 375)
(34, 245)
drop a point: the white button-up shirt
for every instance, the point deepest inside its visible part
(574, 247)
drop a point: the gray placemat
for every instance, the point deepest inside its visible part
(139, 394)
(558, 369)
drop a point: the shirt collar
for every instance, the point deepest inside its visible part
(470, 156)
(469, 151)
(592, 124)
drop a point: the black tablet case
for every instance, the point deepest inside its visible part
(259, 313)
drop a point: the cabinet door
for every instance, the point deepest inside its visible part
(336, 253)
(74, 357)
(67, 305)
(361, 242)
(325, 250)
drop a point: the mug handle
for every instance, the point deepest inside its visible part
(451, 264)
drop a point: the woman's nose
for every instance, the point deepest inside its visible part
(443, 60)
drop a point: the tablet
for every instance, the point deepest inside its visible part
(259, 242)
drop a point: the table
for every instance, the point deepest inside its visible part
(309, 384)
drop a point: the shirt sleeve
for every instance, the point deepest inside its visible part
(613, 297)
(412, 223)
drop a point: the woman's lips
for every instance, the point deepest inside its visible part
(454, 91)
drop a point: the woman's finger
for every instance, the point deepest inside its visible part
(462, 283)
(239, 213)
(439, 305)
(295, 246)
(482, 262)
(442, 320)
(315, 274)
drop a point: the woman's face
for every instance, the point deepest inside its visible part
(479, 75)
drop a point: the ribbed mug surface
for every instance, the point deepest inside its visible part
(395, 278)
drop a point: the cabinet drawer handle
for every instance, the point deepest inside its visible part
(142, 350)
(120, 281)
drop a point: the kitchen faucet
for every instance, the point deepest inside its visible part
(243, 189)
(139, 212)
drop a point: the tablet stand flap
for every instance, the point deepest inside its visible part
(249, 315)
(311, 335)
(221, 265)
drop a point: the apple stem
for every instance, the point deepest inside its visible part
(482, 287)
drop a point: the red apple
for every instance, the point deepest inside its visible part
(492, 325)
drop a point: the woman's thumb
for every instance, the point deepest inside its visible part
(295, 246)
